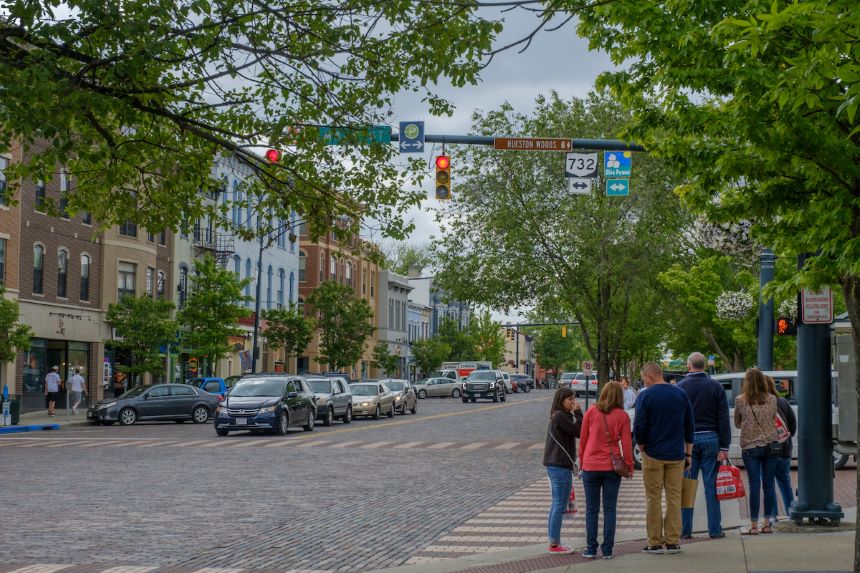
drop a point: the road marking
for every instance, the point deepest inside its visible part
(41, 443)
(407, 445)
(497, 538)
(375, 445)
(191, 443)
(507, 446)
(441, 445)
(244, 444)
(130, 569)
(216, 570)
(536, 447)
(39, 568)
(344, 444)
(213, 444)
(155, 444)
(474, 446)
(316, 443)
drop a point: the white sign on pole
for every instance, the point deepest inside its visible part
(581, 165)
(586, 367)
(816, 306)
(579, 185)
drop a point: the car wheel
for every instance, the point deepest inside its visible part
(455, 393)
(527, 389)
(504, 397)
(496, 396)
(508, 390)
(391, 411)
(378, 413)
(839, 460)
(283, 424)
(637, 456)
(200, 414)
(127, 416)
(312, 417)
(347, 418)
(415, 407)
(473, 400)
(221, 432)
(329, 417)
(422, 394)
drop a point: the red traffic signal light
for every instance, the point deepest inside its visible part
(443, 177)
(273, 156)
(785, 326)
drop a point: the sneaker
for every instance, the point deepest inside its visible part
(608, 556)
(655, 549)
(589, 554)
(719, 535)
(673, 549)
(686, 537)
(561, 549)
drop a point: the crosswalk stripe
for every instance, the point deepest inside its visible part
(507, 446)
(474, 446)
(130, 569)
(213, 444)
(217, 570)
(536, 447)
(39, 568)
(243, 444)
(375, 445)
(407, 445)
(498, 538)
(41, 443)
(441, 445)
(191, 443)
(314, 443)
(155, 444)
(344, 444)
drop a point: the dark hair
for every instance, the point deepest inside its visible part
(561, 395)
(611, 397)
(755, 388)
(771, 385)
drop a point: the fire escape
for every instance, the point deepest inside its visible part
(220, 245)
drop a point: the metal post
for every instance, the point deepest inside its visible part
(255, 350)
(765, 312)
(814, 435)
(517, 350)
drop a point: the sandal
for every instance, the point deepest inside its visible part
(750, 531)
(766, 529)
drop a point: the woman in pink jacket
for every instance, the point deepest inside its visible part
(604, 425)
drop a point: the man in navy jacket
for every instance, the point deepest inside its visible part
(711, 441)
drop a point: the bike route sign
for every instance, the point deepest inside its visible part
(411, 137)
(617, 163)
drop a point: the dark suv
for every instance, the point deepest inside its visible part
(484, 384)
(270, 403)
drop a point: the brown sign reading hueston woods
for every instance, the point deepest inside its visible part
(532, 144)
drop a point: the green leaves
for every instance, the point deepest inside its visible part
(144, 325)
(288, 328)
(15, 336)
(344, 323)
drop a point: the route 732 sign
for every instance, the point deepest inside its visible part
(581, 165)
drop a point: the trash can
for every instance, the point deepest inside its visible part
(15, 409)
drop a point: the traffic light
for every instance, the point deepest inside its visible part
(508, 334)
(785, 326)
(443, 177)
(564, 331)
(273, 155)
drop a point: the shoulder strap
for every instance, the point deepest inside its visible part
(750, 406)
(551, 435)
(608, 437)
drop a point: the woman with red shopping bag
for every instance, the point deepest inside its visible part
(559, 457)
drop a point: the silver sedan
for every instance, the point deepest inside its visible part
(372, 399)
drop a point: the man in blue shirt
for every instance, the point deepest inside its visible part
(711, 441)
(663, 427)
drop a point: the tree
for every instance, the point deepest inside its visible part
(556, 352)
(288, 328)
(402, 257)
(488, 340)
(344, 323)
(429, 354)
(384, 360)
(16, 336)
(212, 311)
(143, 325)
(516, 237)
(459, 341)
(137, 99)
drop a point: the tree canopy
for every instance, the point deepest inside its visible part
(144, 325)
(288, 328)
(15, 336)
(344, 323)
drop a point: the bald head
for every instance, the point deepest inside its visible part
(696, 362)
(652, 374)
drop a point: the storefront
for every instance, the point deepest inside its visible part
(43, 355)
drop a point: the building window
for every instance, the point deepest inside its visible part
(333, 268)
(64, 194)
(372, 282)
(150, 279)
(183, 285)
(391, 314)
(40, 195)
(269, 275)
(248, 285)
(159, 284)
(4, 163)
(85, 277)
(322, 267)
(126, 278)
(349, 274)
(162, 238)
(303, 265)
(234, 213)
(150, 236)
(363, 281)
(128, 229)
(87, 218)
(237, 266)
(2, 261)
(292, 286)
(62, 273)
(281, 280)
(281, 230)
(303, 229)
(301, 305)
(38, 268)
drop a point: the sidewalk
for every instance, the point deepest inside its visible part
(41, 418)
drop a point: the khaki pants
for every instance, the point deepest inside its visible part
(660, 476)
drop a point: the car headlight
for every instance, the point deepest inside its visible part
(322, 401)
(397, 398)
(492, 384)
(268, 409)
(364, 404)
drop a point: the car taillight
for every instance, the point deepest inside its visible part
(220, 397)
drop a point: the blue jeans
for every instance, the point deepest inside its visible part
(782, 475)
(760, 469)
(706, 447)
(593, 482)
(560, 482)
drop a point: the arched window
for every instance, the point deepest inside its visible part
(391, 313)
(322, 267)
(234, 213)
(248, 285)
(303, 265)
(364, 281)
(372, 282)
(62, 273)
(183, 284)
(349, 273)
(85, 277)
(281, 279)
(269, 274)
(237, 266)
(38, 268)
(333, 268)
(292, 286)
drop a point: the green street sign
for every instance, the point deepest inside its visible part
(342, 135)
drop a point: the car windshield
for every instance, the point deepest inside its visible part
(320, 386)
(363, 389)
(259, 387)
(396, 386)
(482, 375)
(568, 376)
(137, 391)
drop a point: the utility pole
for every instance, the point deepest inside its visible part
(765, 312)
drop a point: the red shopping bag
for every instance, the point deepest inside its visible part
(571, 502)
(729, 483)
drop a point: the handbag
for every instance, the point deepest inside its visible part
(688, 490)
(618, 465)
(782, 433)
(729, 483)
(772, 449)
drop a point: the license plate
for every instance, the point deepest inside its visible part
(241, 421)
(89, 414)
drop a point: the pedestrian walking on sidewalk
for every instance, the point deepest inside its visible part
(629, 393)
(605, 425)
(664, 429)
(710, 442)
(782, 471)
(755, 412)
(559, 457)
(52, 389)
(78, 388)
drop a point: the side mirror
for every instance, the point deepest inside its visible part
(292, 395)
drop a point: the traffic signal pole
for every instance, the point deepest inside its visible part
(489, 140)
(765, 312)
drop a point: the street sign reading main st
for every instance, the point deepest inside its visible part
(532, 144)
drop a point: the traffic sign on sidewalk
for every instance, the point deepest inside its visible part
(580, 185)
(816, 306)
(532, 144)
(411, 137)
(617, 163)
(618, 187)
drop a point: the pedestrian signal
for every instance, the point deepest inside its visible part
(443, 177)
(785, 326)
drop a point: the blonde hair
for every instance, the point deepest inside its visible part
(611, 397)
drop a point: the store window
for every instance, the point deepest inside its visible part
(126, 278)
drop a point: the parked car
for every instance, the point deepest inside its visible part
(343, 375)
(566, 379)
(508, 383)
(214, 385)
(178, 402)
(522, 382)
(582, 383)
(405, 399)
(372, 399)
(334, 399)
(440, 386)
(484, 384)
(267, 403)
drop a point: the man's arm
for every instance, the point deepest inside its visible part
(640, 421)
(725, 427)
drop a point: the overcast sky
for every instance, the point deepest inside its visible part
(557, 61)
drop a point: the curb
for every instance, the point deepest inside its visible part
(35, 428)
